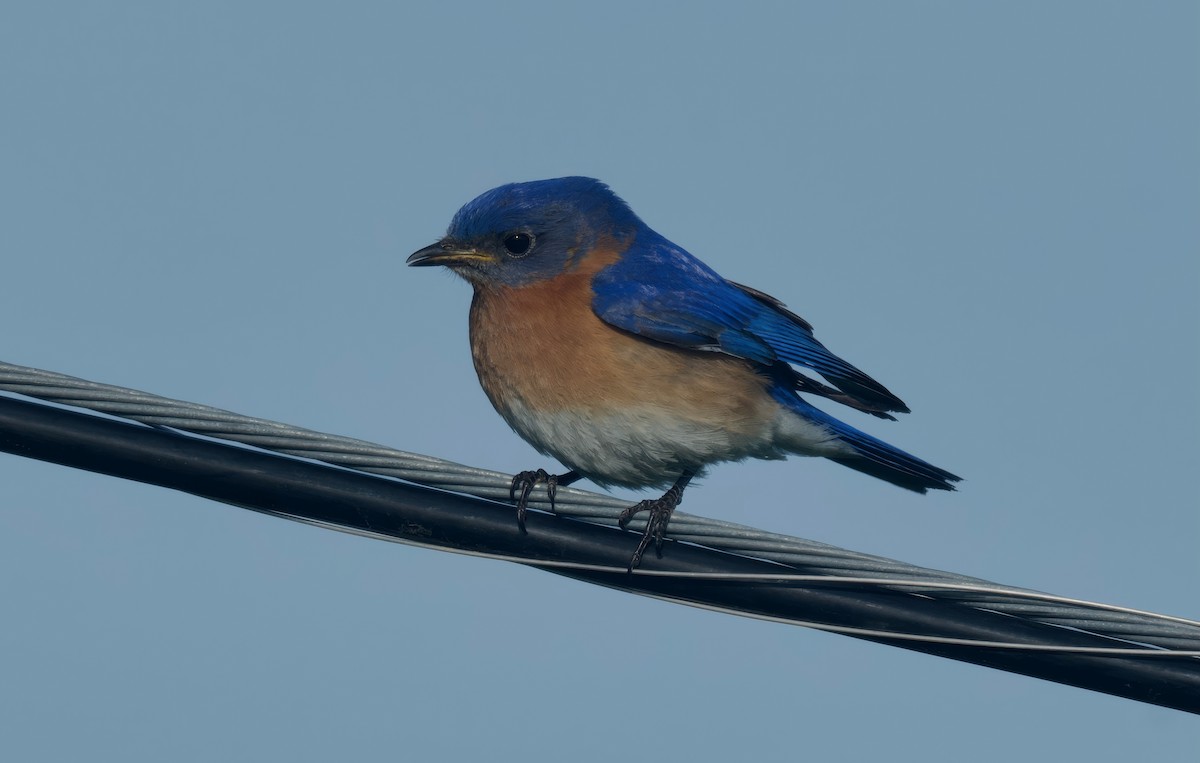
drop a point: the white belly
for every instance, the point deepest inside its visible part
(647, 447)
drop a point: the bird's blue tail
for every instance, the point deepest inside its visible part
(877, 458)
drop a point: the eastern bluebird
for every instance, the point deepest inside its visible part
(633, 363)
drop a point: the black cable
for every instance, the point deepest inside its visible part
(315, 492)
(818, 560)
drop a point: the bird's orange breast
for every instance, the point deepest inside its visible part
(541, 347)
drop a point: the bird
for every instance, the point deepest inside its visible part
(615, 351)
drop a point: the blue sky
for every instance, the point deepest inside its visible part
(991, 208)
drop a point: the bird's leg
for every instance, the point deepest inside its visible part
(525, 482)
(660, 514)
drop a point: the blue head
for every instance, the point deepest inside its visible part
(525, 232)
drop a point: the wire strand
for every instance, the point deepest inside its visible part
(806, 561)
(820, 579)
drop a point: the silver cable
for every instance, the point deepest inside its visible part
(810, 557)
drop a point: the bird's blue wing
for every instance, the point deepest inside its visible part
(661, 292)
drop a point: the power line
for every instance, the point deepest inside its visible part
(1111, 649)
(808, 555)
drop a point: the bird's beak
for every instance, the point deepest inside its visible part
(447, 253)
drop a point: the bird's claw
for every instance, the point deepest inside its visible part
(656, 525)
(524, 482)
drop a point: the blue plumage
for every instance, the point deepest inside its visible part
(872, 456)
(634, 363)
(661, 292)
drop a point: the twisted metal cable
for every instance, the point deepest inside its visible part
(831, 562)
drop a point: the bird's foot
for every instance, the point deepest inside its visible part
(524, 483)
(656, 525)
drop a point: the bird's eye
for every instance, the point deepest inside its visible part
(518, 244)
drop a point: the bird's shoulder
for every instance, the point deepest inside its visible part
(652, 262)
